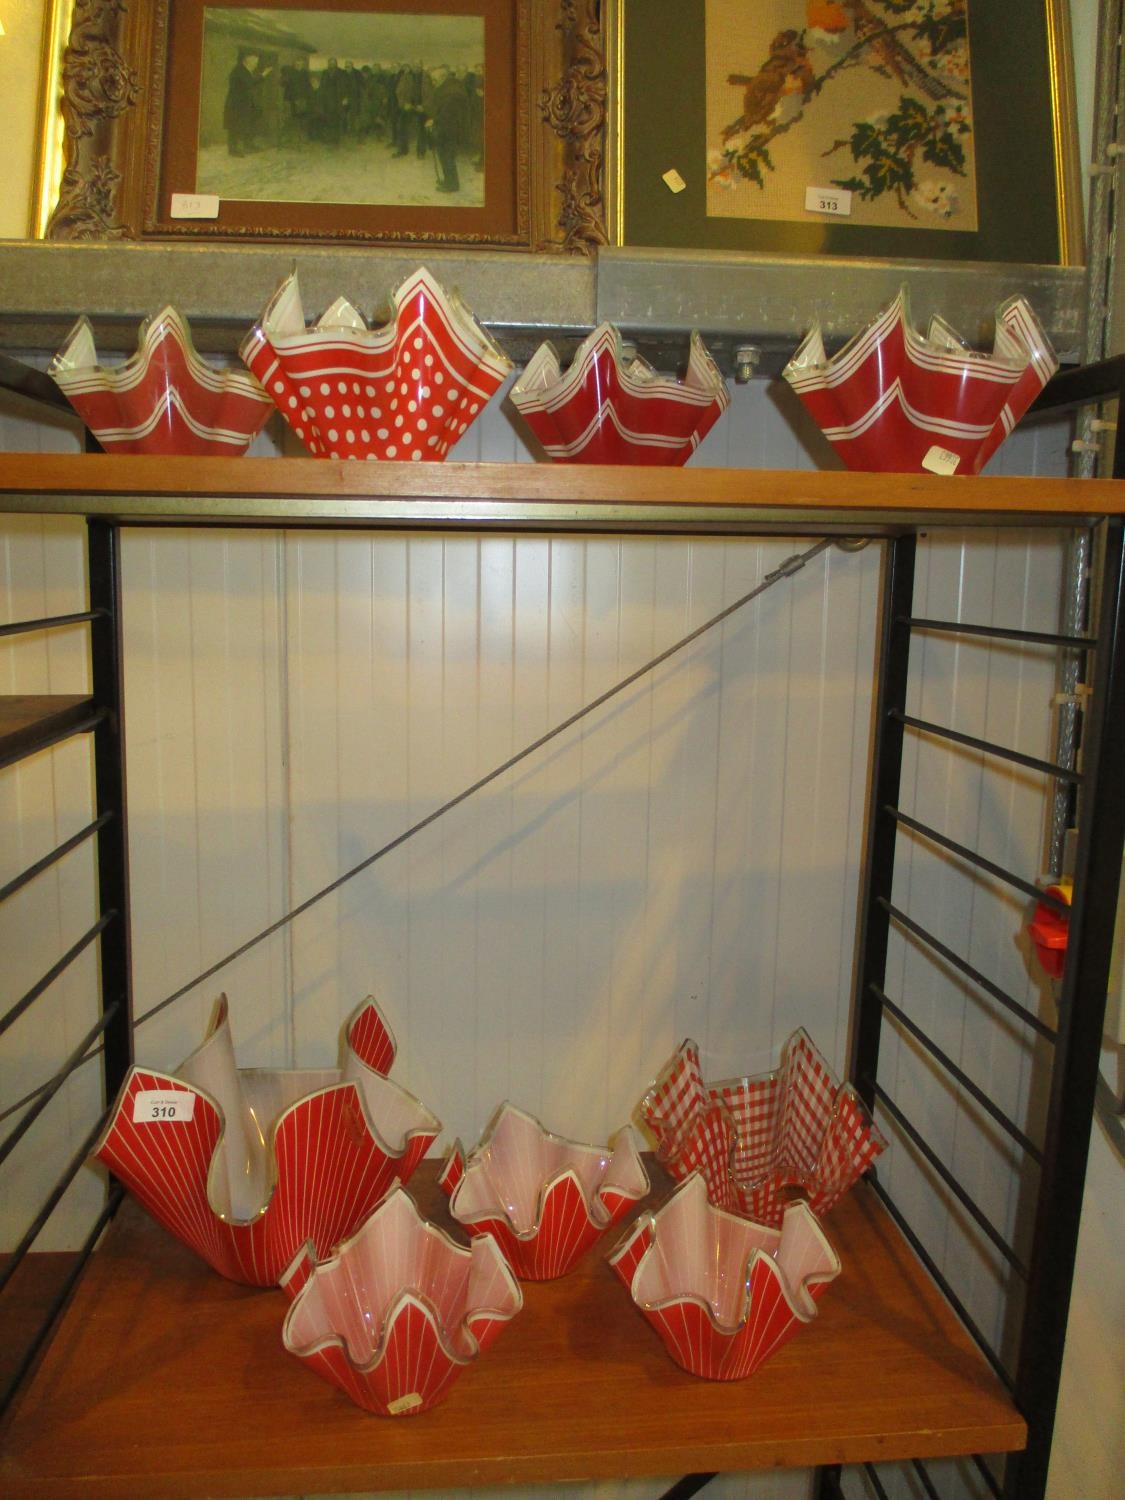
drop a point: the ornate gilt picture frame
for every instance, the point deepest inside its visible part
(184, 119)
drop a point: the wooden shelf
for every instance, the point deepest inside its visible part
(325, 492)
(30, 722)
(165, 1379)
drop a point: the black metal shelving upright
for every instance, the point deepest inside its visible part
(27, 727)
(1060, 1156)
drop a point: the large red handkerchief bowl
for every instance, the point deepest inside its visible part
(759, 1143)
(164, 399)
(399, 1310)
(546, 1200)
(406, 390)
(895, 400)
(723, 1293)
(607, 409)
(245, 1165)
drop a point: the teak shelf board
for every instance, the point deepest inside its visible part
(24, 1303)
(164, 1378)
(29, 721)
(307, 491)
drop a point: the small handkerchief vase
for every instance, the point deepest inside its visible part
(399, 1310)
(259, 1161)
(724, 1294)
(893, 400)
(164, 399)
(405, 391)
(607, 409)
(546, 1200)
(761, 1142)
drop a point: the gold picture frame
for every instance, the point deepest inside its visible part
(652, 48)
(112, 149)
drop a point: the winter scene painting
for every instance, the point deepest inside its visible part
(342, 106)
(866, 102)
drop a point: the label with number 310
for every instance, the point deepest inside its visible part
(152, 1106)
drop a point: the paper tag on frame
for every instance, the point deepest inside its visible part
(195, 206)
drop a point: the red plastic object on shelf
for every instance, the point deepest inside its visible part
(761, 1142)
(897, 401)
(399, 1310)
(164, 399)
(1050, 930)
(724, 1293)
(246, 1165)
(609, 408)
(544, 1199)
(405, 391)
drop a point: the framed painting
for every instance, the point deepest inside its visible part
(454, 122)
(909, 128)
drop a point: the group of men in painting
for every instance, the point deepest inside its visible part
(412, 108)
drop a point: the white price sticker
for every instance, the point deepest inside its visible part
(156, 1106)
(673, 181)
(828, 200)
(195, 205)
(941, 461)
(404, 1403)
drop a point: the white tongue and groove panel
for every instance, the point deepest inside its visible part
(651, 873)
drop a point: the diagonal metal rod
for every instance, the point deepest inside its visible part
(876, 1482)
(14, 1109)
(966, 1201)
(48, 979)
(986, 1474)
(944, 1286)
(924, 1476)
(999, 632)
(916, 929)
(18, 882)
(50, 622)
(972, 857)
(959, 1075)
(786, 569)
(62, 1293)
(942, 731)
(13, 1257)
(52, 1086)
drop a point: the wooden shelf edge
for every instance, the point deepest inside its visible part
(163, 1376)
(287, 489)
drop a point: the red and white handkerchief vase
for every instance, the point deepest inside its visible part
(399, 1310)
(759, 1143)
(405, 391)
(895, 400)
(723, 1293)
(245, 1165)
(608, 409)
(546, 1200)
(164, 399)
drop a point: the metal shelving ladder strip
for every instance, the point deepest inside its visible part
(1060, 1158)
(29, 725)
